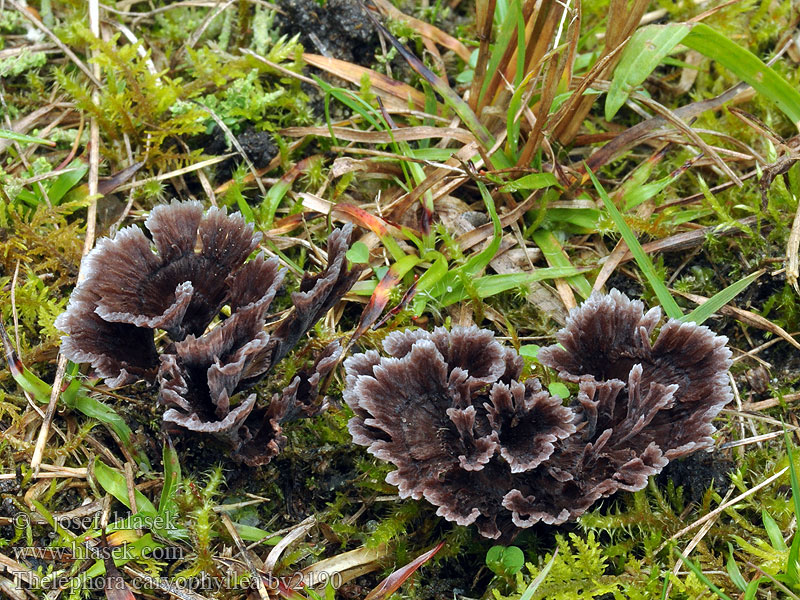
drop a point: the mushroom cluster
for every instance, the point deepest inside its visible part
(448, 409)
(179, 282)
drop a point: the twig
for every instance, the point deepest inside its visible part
(792, 247)
(44, 432)
(771, 403)
(248, 560)
(722, 507)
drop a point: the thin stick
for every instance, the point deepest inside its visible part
(91, 220)
(246, 556)
(44, 432)
(722, 507)
(792, 247)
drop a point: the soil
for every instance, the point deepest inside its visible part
(696, 473)
(259, 147)
(340, 29)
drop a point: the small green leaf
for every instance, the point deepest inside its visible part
(529, 351)
(505, 561)
(774, 532)
(66, 181)
(358, 253)
(172, 479)
(558, 389)
(513, 560)
(733, 571)
(114, 483)
(253, 534)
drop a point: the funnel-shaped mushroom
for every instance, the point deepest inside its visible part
(179, 282)
(448, 410)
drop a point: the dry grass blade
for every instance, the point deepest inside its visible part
(567, 113)
(686, 240)
(245, 554)
(25, 124)
(671, 117)
(163, 584)
(792, 247)
(20, 572)
(395, 94)
(425, 29)
(296, 533)
(554, 69)
(485, 11)
(745, 316)
(541, 22)
(61, 45)
(713, 514)
(348, 565)
(771, 403)
(389, 585)
(405, 134)
(623, 19)
(484, 232)
(232, 139)
(434, 178)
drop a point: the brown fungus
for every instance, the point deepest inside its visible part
(179, 282)
(448, 410)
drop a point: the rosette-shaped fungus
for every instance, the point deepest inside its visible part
(179, 282)
(448, 410)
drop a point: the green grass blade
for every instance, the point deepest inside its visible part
(647, 48)
(172, 479)
(427, 280)
(702, 576)
(513, 123)
(491, 285)
(668, 303)
(533, 181)
(450, 97)
(554, 254)
(747, 66)
(720, 299)
(752, 589)
(499, 47)
(72, 397)
(794, 551)
(351, 101)
(114, 483)
(733, 570)
(253, 534)
(534, 585)
(478, 262)
(22, 138)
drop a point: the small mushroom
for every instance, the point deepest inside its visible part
(196, 264)
(449, 410)
(129, 289)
